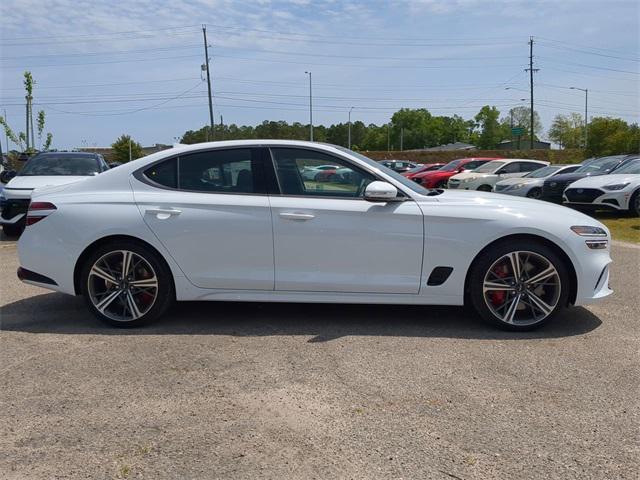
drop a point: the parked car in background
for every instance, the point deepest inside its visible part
(43, 170)
(139, 237)
(554, 187)
(399, 166)
(486, 176)
(619, 190)
(438, 178)
(531, 184)
(314, 173)
(425, 167)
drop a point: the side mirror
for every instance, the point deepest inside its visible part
(381, 192)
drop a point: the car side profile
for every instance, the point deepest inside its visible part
(425, 167)
(619, 190)
(531, 184)
(486, 176)
(43, 169)
(439, 178)
(236, 220)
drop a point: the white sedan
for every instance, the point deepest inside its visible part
(486, 176)
(617, 191)
(236, 221)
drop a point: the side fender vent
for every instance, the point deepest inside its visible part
(439, 275)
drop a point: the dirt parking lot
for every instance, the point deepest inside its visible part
(219, 390)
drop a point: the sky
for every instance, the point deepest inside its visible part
(104, 68)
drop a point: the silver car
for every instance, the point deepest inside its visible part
(531, 184)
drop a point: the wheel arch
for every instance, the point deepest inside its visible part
(573, 287)
(108, 239)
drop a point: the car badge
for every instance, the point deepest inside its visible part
(553, 184)
(580, 190)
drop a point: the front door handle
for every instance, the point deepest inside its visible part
(297, 216)
(163, 213)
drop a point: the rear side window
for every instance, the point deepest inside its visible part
(530, 166)
(227, 171)
(164, 173)
(513, 167)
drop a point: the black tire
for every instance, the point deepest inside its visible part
(165, 292)
(634, 204)
(13, 229)
(441, 184)
(535, 193)
(488, 258)
(485, 188)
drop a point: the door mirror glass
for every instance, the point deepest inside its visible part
(380, 192)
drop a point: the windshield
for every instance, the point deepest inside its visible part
(451, 166)
(601, 165)
(543, 172)
(418, 168)
(631, 167)
(59, 165)
(410, 184)
(489, 167)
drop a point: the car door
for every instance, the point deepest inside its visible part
(510, 170)
(211, 212)
(327, 238)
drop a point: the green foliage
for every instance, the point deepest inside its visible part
(121, 149)
(522, 118)
(611, 136)
(16, 139)
(567, 130)
(29, 82)
(47, 142)
(491, 133)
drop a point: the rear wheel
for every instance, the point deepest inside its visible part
(126, 284)
(518, 285)
(535, 193)
(441, 184)
(485, 188)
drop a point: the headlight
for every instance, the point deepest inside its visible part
(589, 231)
(517, 186)
(616, 186)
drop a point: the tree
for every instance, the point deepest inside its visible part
(121, 149)
(522, 118)
(611, 136)
(567, 130)
(491, 133)
(25, 140)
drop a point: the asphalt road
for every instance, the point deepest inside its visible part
(220, 390)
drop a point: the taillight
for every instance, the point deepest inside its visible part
(39, 210)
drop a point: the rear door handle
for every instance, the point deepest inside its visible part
(297, 216)
(163, 212)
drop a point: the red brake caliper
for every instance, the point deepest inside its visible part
(498, 297)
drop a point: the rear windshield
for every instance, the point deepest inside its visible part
(59, 165)
(631, 167)
(451, 166)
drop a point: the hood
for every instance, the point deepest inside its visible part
(434, 174)
(37, 181)
(602, 180)
(517, 180)
(465, 175)
(475, 203)
(572, 177)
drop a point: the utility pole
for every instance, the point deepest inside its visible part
(310, 109)
(221, 128)
(586, 112)
(129, 147)
(401, 137)
(27, 118)
(349, 147)
(6, 136)
(388, 138)
(531, 70)
(206, 59)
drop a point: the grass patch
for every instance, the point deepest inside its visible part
(624, 227)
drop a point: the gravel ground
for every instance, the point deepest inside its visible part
(220, 390)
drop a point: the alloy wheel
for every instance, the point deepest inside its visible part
(522, 288)
(122, 285)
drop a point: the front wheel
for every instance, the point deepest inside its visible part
(518, 285)
(634, 204)
(535, 193)
(126, 284)
(484, 188)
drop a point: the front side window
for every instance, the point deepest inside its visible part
(530, 166)
(298, 173)
(513, 167)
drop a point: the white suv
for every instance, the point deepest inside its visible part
(486, 176)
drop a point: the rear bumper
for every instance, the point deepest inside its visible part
(34, 278)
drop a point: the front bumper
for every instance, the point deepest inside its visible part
(596, 198)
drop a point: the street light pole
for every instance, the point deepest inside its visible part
(310, 109)
(349, 141)
(586, 112)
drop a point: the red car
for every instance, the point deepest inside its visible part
(438, 178)
(426, 167)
